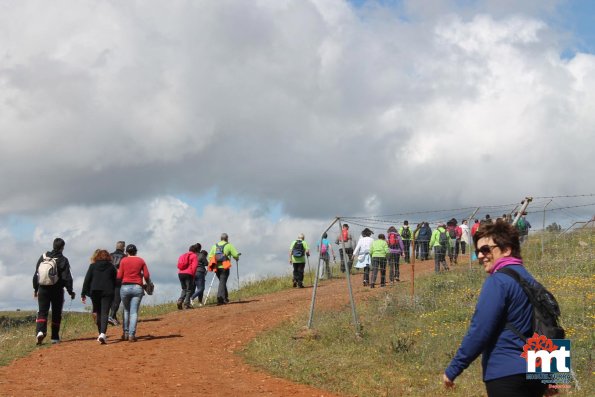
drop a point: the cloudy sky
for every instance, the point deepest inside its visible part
(167, 123)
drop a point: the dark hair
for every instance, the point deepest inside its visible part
(102, 255)
(120, 245)
(381, 236)
(345, 226)
(59, 244)
(204, 252)
(391, 229)
(366, 232)
(131, 249)
(195, 248)
(504, 235)
(324, 235)
(406, 223)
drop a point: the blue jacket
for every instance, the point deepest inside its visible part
(501, 300)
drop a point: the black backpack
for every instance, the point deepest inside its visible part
(545, 308)
(443, 239)
(116, 258)
(406, 234)
(298, 249)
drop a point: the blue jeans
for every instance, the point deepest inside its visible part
(199, 282)
(131, 295)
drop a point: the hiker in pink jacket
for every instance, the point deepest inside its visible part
(187, 264)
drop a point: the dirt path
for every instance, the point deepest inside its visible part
(179, 354)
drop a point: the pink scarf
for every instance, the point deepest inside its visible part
(506, 261)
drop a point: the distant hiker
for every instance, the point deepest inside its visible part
(52, 275)
(440, 243)
(220, 262)
(454, 234)
(345, 239)
(424, 236)
(298, 251)
(406, 235)
(465, 236)
(395, 251)
(99, 285)
(378, 251)
(502, 316)
(475, 227)
(200, 275)
(326, 249)
(117, 256)
(131, 273)
(523, 227)
(362, 253)
(187, 264)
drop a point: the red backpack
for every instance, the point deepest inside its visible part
(393, 241)
(184, 261)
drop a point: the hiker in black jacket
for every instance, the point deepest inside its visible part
(117, 256)
(99, 285)
(52, 295)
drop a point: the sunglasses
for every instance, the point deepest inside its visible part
(485, 249)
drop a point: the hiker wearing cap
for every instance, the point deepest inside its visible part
(440, 243)
(298, 252)
(395, 251)
(52, 275)
(362, 253)
(345, 242)
(117, 256)
(323, 248)
(503, 314)
(378, 252)
(99, 285)
(406, 235)
(200, 275)
(220, 262)
(131, 273)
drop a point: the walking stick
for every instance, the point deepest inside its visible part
(309, 269)
(238, 274)
(209, 290)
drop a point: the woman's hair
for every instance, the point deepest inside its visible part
(195, 248)
(93, 257)
(102, 255)
(392, 229)
(504, 235)
(381, 236)
(324, 235)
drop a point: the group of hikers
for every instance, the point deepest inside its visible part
(121, 277)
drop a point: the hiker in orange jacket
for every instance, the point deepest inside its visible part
(220, 262)
(187, 264)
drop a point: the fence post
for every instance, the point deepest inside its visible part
(543, 229)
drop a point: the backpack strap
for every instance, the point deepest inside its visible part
(517, 277)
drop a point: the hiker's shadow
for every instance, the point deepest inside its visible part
(243, 302)
(146, 320)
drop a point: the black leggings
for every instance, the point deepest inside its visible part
(101, 306)
(50, 296)
(515, 386)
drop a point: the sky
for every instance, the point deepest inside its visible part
(167, 123)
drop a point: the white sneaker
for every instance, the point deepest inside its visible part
(102, 338)
(40, 337)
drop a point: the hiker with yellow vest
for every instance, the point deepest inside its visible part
(220, 262)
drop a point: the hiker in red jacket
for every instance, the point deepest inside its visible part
(187, 264)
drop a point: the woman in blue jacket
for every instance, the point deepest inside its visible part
(501, 300)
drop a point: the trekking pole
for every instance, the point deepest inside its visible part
(65, 317)
(209, 290)
(238, 274)
(309, 270)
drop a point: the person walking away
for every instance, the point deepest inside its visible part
(99, 285)
(378, 252)
(451, 229)
(52, 275)
(406, 235)
(200, 275)
(424, 236)
(117, 256)
(439, 243)
(362, 253)
(131, 273)
(220, 262)
(523, 227)
(325, 249)
(298, 251)
(345, 255)
(187, 264)
(395, 250)
(465, 236)
(501, 301)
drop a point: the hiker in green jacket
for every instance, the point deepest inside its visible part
(378, 251)
(298, 251)
(440, 242)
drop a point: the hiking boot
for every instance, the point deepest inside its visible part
(372, 286)
(226, 300)
(112, 321)
(294, 284)
(40, 337)
(102, 338)
(124, 336)
(188, 307)
(180, 305)
(300, 285)
(55, 341)
(132, 338)
(220, 302)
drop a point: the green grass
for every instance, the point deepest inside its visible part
(407, 343)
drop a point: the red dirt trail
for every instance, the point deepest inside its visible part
(190, 352)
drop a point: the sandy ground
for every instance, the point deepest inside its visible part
(180, 354)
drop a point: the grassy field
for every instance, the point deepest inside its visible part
(407, 343)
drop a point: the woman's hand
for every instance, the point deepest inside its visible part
(447, 382)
